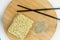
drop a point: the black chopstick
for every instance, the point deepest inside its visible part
(39, 12)
(38, 9)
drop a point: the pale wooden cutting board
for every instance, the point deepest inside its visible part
(10, 13)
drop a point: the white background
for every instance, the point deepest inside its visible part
(3, 5)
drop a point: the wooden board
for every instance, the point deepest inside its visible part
(10, 13)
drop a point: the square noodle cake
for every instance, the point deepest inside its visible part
(20, 26)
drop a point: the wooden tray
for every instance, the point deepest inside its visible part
(10, 13)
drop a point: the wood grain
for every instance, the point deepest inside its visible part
(10, 13)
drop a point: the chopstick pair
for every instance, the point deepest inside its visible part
(37, 11)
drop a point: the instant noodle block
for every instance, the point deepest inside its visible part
(20, 26)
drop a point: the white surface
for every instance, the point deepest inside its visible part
(3, 5)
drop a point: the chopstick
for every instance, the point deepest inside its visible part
(37, 11)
